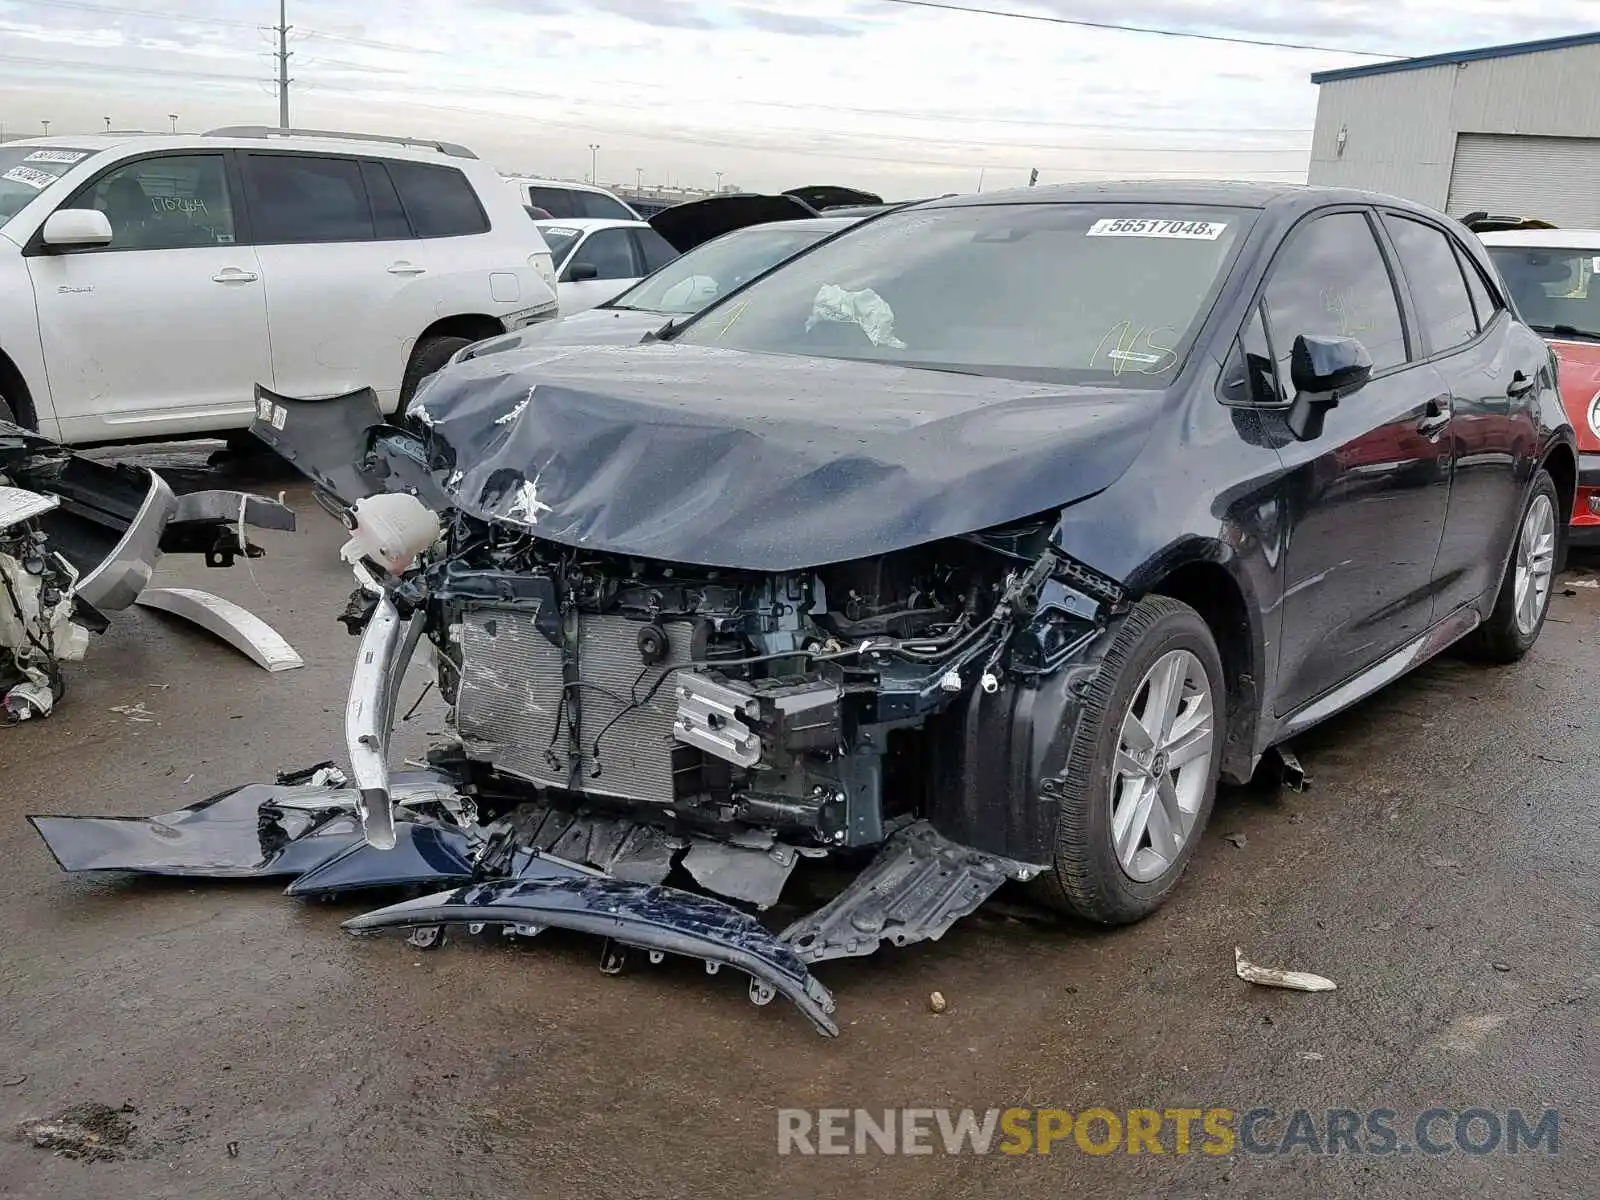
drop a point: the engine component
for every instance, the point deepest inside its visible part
(608, 730)
(711, 716)
(390, 529)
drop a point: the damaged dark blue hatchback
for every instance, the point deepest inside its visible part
(976, 543)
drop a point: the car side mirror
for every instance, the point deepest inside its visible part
(1324, 370)
(67, 228)
(583, 272)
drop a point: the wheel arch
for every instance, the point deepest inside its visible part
(473, 326)
(1561, 461)
(15, 389)
(1209, 578)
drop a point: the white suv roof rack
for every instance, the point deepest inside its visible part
(269, 131)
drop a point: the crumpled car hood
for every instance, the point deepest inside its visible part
(763, 462)
(593, 326)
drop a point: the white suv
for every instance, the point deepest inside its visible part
(570, 201)
(148, 283)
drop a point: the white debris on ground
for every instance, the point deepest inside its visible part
(1298, 981)
(37, 632)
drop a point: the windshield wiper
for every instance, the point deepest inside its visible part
(1567, 331)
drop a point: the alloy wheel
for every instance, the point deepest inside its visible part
(1163, 765)
(1535, 563)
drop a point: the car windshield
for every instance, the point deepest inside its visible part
(1557, 290)
(1076, 292)
(561, 239)
(25, 171)
(690, 282)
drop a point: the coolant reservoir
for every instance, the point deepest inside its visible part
(390, 529)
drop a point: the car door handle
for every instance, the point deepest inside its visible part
(234, 275)
(1438, 416)
(405, 268)
(1519, 386)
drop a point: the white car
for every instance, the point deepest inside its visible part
(597, 260)
(561, 198)
(148, 283)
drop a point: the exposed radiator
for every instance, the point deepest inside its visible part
(510, 702)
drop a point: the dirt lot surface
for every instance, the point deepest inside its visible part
(225, 1041)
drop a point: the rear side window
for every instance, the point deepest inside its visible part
(558, 202)
(1437, 286)
(388, 217)
(439, 200)
(658, 252)
(1331, 279)
(307, 198)
(596, 205)
(1484, 303)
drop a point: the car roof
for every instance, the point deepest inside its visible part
(589, 224)
(565, 184)
(1551, 239)
(141, 142)
(803, 224)
(1230, 192)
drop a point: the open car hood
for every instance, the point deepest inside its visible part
(822, 196)
(689, 225)
(720, 458)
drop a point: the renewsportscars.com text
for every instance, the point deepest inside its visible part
(1175, 1131)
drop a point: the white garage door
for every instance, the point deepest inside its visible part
(1556, 179)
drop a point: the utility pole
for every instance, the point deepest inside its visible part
(638, 179)
(173, 117)
(594, 163)
(283, 57)
(108, 124)
(46, 125)
(719, 183)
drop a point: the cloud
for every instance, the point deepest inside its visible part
(893, 98)
(793, 24)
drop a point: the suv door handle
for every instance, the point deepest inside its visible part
(1438, 416)
(1519, 386)
(405, 268)
(234, 275)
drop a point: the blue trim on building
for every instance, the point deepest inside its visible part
(1459, 56)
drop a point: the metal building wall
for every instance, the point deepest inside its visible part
(1402, 126)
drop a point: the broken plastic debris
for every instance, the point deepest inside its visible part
(865, 309)
(1298, 981)
(134, 712)
(27, 701)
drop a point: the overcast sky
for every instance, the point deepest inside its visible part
(772, 93)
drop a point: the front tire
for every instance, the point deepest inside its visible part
(1524, 598)
(1142, 775)
(7, 413)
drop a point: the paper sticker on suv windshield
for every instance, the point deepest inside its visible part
(57, 156)
(34, 179)
(1205, 231)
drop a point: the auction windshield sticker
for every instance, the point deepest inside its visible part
(38, 180)
(57, 156)
(1206, 231)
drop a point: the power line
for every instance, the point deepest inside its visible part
(1119, 27)
(115, 10)
(108, 69)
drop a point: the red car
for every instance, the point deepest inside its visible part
(1554, 277)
